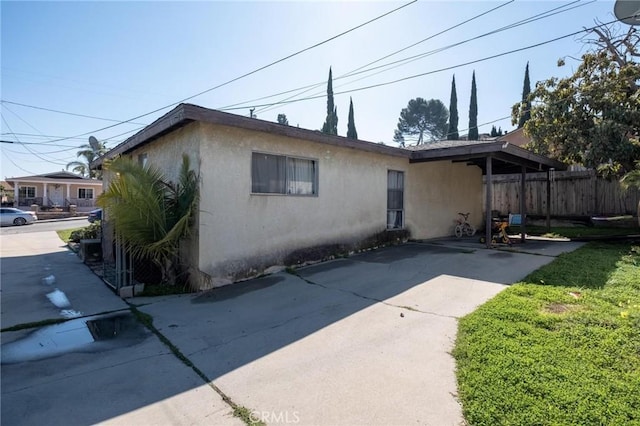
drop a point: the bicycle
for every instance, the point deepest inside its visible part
(498, 232)
(463, 227)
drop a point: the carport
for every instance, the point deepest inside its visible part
(493, 157)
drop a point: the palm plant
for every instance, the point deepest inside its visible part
(151, 216)
(632, 180)
(87, 154)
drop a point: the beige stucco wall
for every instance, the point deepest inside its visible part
(242, 233)
(436, 192)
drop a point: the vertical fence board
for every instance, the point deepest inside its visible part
(573, 193)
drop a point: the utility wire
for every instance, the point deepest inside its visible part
(65, 112)
(26, 147)
(401, 62)
(244, 75)
(486, 58)
(355, 71)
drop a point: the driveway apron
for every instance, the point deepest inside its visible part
(362, 340)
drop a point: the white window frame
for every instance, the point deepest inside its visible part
(316, 173)
(85, 191)
(24, 188)
(393, 221)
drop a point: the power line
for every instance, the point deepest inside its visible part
(244, 75)
(26, 147)
(401, 62)
(486, 58)
(64, 112)
(354, 71)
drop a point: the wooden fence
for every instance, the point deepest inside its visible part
(573, 193)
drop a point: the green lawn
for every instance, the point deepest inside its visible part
(560, 348)
(66, 233)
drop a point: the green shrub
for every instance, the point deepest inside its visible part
(91, 232)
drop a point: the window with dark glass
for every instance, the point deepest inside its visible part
(278, 174)
(395, 199)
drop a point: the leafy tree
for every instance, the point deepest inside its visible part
(592, 117)
(422, 119)
(473, 111)
(87, 155)
(330, 125)
(525, 106)
(351, 126)
(452, 134)
(500, 132)
(151, 215)
(282, 119)
(494, 132)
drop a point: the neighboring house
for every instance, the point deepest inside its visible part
(58, 189)
(6, 195)
(272, 194)
(516, 137)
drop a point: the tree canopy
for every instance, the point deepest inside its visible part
(422, 120)
(85, 156)
(282, 119)
(452, 133)
(352, 133)
(592, 117)
(473, 111)
(330, 125)
(525, 106)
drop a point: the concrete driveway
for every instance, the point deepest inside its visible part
(362, 340)
(96, 368)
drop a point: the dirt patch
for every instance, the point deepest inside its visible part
(559, 308)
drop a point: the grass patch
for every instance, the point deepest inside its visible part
(164, 290)
(34, 324)
(575, 231)
(561, 347)
(65, 234)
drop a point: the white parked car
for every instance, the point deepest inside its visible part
(11, 216)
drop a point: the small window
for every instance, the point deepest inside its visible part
(27, 192)
(142, 159)
(395, 199)
(277, 174)
(85, 193)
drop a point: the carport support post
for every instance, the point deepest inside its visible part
(523, 204)
(488, 201)
(548, 200)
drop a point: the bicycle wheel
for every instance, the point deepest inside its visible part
(458, 231)
(506, 240)
(469, 230)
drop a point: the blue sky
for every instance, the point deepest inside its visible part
(118, 60)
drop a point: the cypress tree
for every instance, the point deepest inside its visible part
(330, 125)
(351, 126)
(452, 133)
(525, 106)
(473, 111)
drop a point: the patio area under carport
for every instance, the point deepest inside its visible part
(493, 157)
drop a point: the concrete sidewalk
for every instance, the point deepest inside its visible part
(114, 371)
(362, 340)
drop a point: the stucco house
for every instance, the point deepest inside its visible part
(57, 189)
(273, 194)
